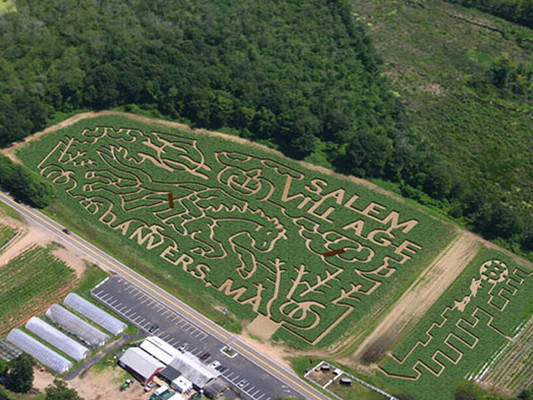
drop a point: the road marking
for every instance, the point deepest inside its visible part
(102, 256)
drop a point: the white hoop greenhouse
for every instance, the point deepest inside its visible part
(39, 351)
(95, 314)
(57, 339)
(75, 325)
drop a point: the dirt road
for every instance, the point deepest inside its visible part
(422, 294)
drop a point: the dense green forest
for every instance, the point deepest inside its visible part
(300, 76)
(465, 79)
(520, 11)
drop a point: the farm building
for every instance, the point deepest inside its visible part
(75, 325)
(193, 369)
(140, 364)
(215, 387)
(169, 374)
(181, 384)
(57, 339)
(39, 351)
(95, 314)
(159, 349)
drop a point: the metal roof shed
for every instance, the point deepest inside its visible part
(141, 364)
(95, 314)
(75, 325)
(193, 369)
(159, 349)
(214, 387)
(57, 339)
(39, 351)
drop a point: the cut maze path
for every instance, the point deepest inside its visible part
(422, 294)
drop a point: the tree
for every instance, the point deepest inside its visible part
(526, 395)
(59, 390)
(19, 376)
(3, 367)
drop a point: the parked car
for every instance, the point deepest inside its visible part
(183, 347)
(242, 383)
(215, 364)
(149, 387)
(221, 368)
(205, 356)
(153, 328)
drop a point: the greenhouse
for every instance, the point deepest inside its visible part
(95, 314)
(75, 325)
(57, 339)
(39, 351)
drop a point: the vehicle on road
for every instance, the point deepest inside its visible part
(205, 356)
(66, 231)
(242, 383)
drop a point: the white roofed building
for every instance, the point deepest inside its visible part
(181, 384)
(159, 349)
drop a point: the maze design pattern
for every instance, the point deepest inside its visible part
(463, 326)
(233, 216)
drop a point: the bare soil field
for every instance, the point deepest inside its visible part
(96, 386)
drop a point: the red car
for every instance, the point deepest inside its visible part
(205, 356)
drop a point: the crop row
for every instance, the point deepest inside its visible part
(514, 367)
(29, 284)
(475, 317)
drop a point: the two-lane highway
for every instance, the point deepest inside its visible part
(287, 378)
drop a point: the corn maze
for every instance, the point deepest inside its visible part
(479, 315)
(29, 284)
(249, 226)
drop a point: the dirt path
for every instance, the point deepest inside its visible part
(30, 235)
(422, 294)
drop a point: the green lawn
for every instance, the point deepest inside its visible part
(248, 229)
(6, 234)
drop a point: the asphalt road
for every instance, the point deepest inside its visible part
(272, 370)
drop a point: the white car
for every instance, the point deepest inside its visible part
(214, 364)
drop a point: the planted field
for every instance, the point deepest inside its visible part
(312, 251)
(480, 313)
(511, 369)
(29, 284)
(6, 234)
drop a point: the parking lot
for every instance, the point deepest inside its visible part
(143, 311)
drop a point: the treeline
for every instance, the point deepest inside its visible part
(24, 184)
(519, 11)
(301, 76)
